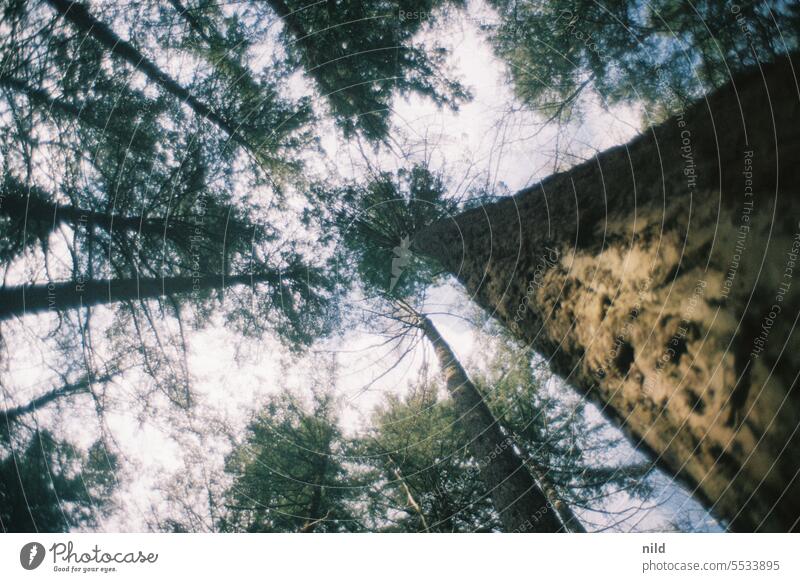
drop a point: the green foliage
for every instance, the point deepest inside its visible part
(152, 192)
(424, 477)
(362, 53)
(661, 52)
(165, 193)
(253, 99)
(288, 473)
(301, 306)
(47, 485)
(377, 222)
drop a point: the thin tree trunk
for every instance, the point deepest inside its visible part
(519, 501)
(82, 386)
(410, 501)
(18, 201)
(193, 22)
(80, 17)
(657, 278)
(564, 510)
(26, 299)
(37, 208)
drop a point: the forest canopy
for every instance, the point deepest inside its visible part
(249, 286)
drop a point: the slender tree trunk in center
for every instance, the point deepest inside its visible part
(519, 501)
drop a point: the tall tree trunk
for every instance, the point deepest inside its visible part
(657, 278)
(38, 208)
(25, 299)
(519, 501)
(80, 17)
(34, 206)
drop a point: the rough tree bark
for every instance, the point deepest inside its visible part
(657, 278)
(518, 499)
